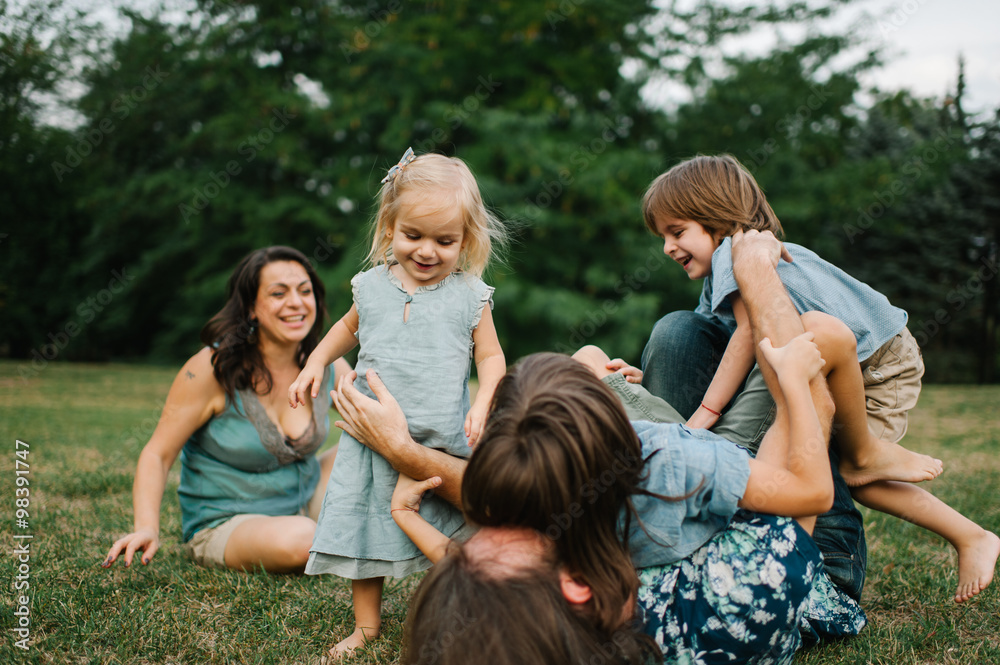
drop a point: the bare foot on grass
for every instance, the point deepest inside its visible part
(976, 562)
(890, 461)
(360, 637)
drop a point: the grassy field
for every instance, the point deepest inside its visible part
(85, 426)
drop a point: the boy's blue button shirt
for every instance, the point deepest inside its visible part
(815, 285)
(704, 472)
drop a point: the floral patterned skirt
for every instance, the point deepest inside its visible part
(744, 597)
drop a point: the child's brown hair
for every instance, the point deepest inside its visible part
(463, 612)
(716, 191)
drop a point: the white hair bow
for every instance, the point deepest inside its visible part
(407, 157)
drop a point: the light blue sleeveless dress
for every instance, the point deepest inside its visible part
(238, 463)
(425, 363)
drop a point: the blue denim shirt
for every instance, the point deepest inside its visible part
(815, 285)
(708, 476)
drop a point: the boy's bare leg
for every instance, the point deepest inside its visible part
(977, 548)
(864, 458)
(595, 359)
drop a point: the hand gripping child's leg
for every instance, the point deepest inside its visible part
(797, 440)
(864, 458)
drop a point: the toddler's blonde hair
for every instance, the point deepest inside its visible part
(449, 180)
(716, 191)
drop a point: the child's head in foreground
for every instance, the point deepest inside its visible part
(437, 197)
(710, 198)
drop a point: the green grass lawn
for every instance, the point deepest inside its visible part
(85, 425)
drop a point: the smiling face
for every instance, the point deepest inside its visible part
(427, 239)
(688, 243)
(285, 308)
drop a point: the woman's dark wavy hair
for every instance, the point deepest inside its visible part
(461, 613)
(237, 362)
(558, 455)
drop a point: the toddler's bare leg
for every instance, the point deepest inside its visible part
(977, 548)
(367, 616)
(864, 458)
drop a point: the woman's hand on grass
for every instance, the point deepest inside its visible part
(146, 542)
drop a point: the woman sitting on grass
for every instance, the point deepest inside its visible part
(251, 483)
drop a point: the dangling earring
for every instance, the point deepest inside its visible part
(252, 334)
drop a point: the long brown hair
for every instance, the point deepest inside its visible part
(237, 362)
(558, 455)
(462, 614)
(716, 191)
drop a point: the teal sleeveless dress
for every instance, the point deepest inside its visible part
(238, 463)
(425, 363)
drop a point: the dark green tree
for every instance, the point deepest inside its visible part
(40, 47)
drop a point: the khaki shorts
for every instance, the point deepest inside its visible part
(207, 547)
(892, 384)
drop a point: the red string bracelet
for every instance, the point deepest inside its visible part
(712, 411)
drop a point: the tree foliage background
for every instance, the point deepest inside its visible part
(213, 130)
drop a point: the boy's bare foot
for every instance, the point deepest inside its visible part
(360, 637)
(976, 562)
(890, 461)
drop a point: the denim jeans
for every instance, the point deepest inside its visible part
(678, 364)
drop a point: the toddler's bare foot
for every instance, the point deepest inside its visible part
(976, 562)
(360, 637)
(890, 461)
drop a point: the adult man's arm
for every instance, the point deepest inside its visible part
(381, 425)
(769, 309)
